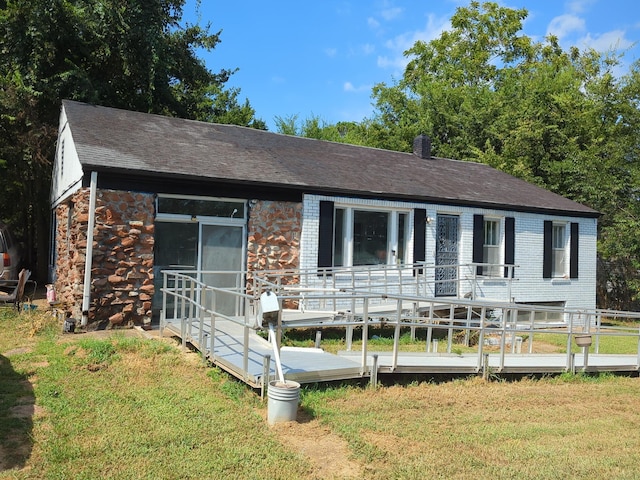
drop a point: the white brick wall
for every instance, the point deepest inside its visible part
(529, 285)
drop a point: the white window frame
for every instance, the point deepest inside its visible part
(559, 250)
(392, 233)
(498, 247)
(179, 217)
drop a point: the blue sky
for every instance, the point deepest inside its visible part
(321, 58)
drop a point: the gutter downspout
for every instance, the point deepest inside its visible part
(86, 294)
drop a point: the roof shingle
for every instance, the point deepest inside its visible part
(109, 139)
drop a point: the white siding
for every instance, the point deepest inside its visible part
(529, 285)
(67, 171)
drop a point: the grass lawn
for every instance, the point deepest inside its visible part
(114, 405)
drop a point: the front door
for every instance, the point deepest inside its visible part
(446, 274)
(221, 251)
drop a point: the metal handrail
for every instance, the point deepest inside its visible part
(505, 319)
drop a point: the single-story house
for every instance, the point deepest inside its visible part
(136, 193)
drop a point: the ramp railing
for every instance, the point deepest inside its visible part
(359, 299)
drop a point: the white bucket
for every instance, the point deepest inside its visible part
(282, 405)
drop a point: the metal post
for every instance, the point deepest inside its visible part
(429, 334)
(374, 371)
(505, 314)
(349, 333)
(203, 348)
(191, 294)
(318, 338)
(532, 317)
(245, 357)
(569, 336)
(514, 317)
(163, 322)
(279, 329)
(396, 336)
(266, 374)
(572, 364)
(183, 325)
(201, 316)
(485, 367)
(483, 312)
(467, 331)
(598, 322)
(452, 312)
(585, 355)
(213, 340)
(163, 314)
(365, 334)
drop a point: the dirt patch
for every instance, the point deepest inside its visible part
(327, 452)
(18, 351)
(27, 410)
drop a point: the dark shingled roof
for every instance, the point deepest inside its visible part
(113, 140)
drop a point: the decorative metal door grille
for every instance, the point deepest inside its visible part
(447, 254)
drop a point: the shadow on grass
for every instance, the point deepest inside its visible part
(17, 403)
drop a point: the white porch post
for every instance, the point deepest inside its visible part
(86, 294)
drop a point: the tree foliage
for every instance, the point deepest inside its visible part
(565, 120)
(120, 53)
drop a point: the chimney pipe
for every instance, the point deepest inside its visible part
(422, 146)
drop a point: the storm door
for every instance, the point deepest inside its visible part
(221, 264)
(200, 235)
(176, 248)
(446, 274)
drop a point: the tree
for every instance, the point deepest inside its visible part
(120, 53)
(485, 92)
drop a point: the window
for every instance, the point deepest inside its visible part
(351, 236)
(491, 248)
(200, 207)
(559, 250)
(494, 243)
(370, 237)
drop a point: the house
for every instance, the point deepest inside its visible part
(134, 193)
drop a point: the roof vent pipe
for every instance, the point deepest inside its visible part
(422, 146)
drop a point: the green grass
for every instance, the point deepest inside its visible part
(608, 344)
(567, 427)
(379, 339)
(125, 407)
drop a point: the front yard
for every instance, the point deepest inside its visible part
(117, 405)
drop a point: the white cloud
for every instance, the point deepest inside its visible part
(563, 25)
(350, 87)
(330, 52)
(368, 48)
(391, 13)
(397, 45)
(579, 6)
(373, 23)
(613, 40)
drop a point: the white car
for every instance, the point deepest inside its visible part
(9, 255)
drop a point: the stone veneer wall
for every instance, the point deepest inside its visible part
(274, 236)
(122, 265)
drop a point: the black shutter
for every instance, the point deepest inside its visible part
(478, 241)
(509, 244)
(573, 265)
(325, 235)
(419, 235)
(547, 262)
